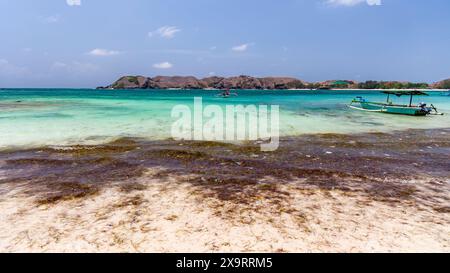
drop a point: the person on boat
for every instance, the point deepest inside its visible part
(226, 93)
(424, 108)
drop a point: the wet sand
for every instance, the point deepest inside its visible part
(332, 193)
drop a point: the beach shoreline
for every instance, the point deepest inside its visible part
(319, 193)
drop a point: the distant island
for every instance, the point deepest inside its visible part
(268, 83)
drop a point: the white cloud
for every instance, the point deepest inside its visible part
(374, 2)
(9, 69)
(51, 19)
(350, 3)
(240, 48)
(103, 52)
(73, 2)
(74, 67)
(167, 32)
(163, 65)
(59, 65)
(83, 67)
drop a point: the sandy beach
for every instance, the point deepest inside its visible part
(231, 128)
(324, 193)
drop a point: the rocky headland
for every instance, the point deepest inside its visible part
(189, 82)
(248, 82)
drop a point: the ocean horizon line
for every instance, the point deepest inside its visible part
(217, 89)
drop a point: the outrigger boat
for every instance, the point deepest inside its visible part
(226, 94)
(390, 108)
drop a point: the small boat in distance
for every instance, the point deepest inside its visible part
(389, 107)
(226, 94)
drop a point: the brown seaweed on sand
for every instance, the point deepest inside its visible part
(374, 164)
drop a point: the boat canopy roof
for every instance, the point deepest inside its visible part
(400, 93)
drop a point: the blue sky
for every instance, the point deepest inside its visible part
(87, 43)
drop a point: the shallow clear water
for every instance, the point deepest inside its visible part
(35, 117)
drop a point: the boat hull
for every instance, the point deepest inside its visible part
(392, 109)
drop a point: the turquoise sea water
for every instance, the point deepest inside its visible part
(36, 117)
